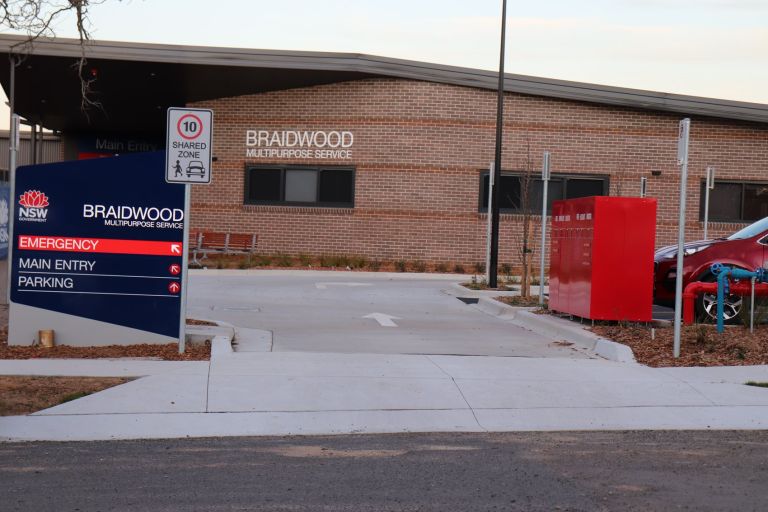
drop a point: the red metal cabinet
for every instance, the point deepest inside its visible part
(601, 259)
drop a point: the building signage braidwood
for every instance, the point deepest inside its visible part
(333, 144)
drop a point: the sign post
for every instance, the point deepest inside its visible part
(188, 160)
(545, 187)
(710, 185)
(13, 149)
(682, 160)
(491, 175)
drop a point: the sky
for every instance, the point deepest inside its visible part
(711, 48)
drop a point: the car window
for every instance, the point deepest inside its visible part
(753, 229)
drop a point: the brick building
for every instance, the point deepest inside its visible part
(388, 159)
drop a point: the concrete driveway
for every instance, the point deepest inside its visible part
(361, 312)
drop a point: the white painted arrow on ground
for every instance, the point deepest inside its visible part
(323, 286)
(384, 319)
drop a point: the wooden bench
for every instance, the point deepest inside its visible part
(209, 242)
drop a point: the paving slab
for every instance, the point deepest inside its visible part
(623, 418)
(734, 374)
(546, 369)
(521, 394)
(328, 365)
(728, 394)
(163, 426)
(239, 393)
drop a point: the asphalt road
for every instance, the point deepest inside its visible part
(702, 471)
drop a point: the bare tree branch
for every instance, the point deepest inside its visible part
(38, 19)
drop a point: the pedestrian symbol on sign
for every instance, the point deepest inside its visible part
(177, 169)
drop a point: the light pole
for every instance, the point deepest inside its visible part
(493, 260)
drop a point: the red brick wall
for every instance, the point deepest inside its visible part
(418, 151)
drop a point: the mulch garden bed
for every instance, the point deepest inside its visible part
(517, 301)
(169, 352)
(700, 345)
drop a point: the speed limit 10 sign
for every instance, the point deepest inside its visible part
(188, 145)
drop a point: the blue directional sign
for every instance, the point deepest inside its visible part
(99, 239)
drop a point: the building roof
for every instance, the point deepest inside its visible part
(137, 82)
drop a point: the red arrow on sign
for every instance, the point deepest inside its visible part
(174, 287)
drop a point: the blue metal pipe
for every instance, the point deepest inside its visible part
(723, 273)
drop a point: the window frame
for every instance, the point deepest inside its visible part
(564, 177)
(297, 167)
(742, 195)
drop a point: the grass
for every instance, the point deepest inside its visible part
(27, 394)
(74, 396)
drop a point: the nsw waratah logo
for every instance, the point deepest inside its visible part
(34, 206)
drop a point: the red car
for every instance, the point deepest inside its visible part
(744, 249)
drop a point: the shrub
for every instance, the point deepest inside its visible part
(506, 269)
(374, 265)
(283, 260)
(358, 261)
(304, 260)
(479, 268)
(419, 266)
(326, 261)
(400, 265)
(263, 260)
(441, 267)
(459, 268)
(340, 261)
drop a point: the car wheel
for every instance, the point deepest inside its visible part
(706, 306)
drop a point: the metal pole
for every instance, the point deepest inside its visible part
(643, 186)
(709, 186)
(41, 134)
(752, 307)
(32, 143)
(491, 184)
(544, 187)
(682, 160)
(11, 98)
(494, 259)
(184, 271)
(13, 146)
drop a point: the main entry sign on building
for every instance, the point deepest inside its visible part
(188, 145)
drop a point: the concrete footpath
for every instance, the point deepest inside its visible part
(287, 393)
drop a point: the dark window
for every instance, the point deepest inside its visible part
(336, 186)
(561, 186)
(264, 184)
(300, 186)
(735, 202)
(578, 187)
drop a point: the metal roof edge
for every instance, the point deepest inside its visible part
(390, 67)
